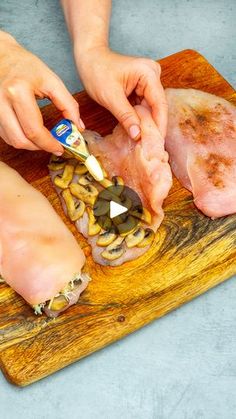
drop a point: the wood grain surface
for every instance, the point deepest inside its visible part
(191, 254)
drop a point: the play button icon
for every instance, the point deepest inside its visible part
(116, 209)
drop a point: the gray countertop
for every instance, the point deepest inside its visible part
(183, 365)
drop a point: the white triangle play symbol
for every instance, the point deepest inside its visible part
(116, 209)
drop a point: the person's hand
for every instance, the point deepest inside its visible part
(23, 78)
(110, 78)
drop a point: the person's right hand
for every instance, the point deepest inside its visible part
(23, 78)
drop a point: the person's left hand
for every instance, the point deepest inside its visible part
(110, 78)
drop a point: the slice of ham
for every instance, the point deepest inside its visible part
(142, 164)
(201, 142)
(38, 254)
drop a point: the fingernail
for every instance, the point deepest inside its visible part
(58, 153)
(81, 124)
(134, 131)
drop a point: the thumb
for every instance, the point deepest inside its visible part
(121, 108)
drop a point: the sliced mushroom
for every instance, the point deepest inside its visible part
(119, 219)
(106, 238)
(81, 169)
(115, 250)
(126, 202)
(93, 227)
(108, 195)
(75, 209)
(63, 181)
(127, 226)
(85, 179)
(106, 183)
(134, 238)
(148, 238)
(87, 193)
(105, 222)
(142, 214)
(73, 284)
(58, 303)
(101, 207)
(56, 163)
(118, 185)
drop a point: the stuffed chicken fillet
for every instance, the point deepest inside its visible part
(141, 166)
(39, 257)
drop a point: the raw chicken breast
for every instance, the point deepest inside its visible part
(79, 210)
(201, 142)
(142, 164)
(38, 254)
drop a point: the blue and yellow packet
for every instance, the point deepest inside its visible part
(68, 135)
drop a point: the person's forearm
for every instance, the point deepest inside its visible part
(88, 23)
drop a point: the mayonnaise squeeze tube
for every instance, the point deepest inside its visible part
(73, 141)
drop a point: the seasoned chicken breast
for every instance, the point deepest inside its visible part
(201, 142)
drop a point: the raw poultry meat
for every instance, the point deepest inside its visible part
(142, 166)
(201, 142)
(78, 191)
(39, 257)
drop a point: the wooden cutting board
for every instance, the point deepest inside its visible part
(191, 254)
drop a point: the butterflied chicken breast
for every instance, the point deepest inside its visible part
(201, 142)
(39, 257)
(142, 166)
